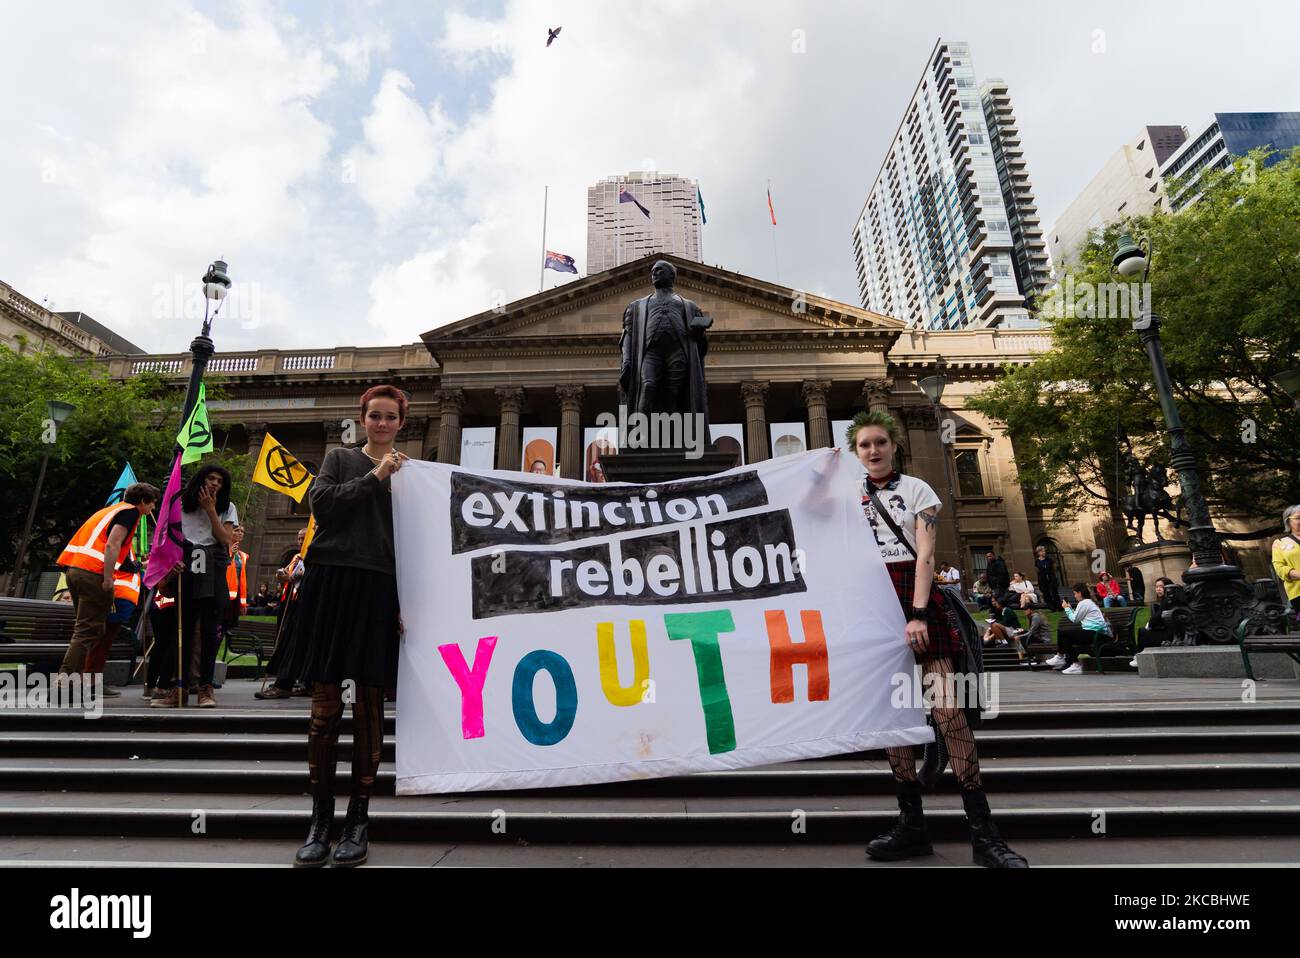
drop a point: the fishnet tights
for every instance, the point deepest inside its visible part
(323, 738)
(951, 723)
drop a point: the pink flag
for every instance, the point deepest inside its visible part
(168, 540)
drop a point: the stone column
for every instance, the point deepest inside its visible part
(819, 424)
(256, 433)
(452, 401)
(756, 446)
(334, 434)
(410, 438)
(509, 443)
(570, 431)
(921, 426)
(876, 393)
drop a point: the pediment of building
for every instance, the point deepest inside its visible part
(590, 310)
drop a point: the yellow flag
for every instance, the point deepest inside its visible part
(311, 532)
(278, 469)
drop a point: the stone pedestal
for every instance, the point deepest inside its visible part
(1212, 661)
(1168, 559)
(663, 465)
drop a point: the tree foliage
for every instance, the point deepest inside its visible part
(114, 423)
(1225, 281)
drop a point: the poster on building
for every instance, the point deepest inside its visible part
(839, 433)
(788, 439)
(567, 633)
(729, 437)
(478, 447)
(540, 455)
(597, 442)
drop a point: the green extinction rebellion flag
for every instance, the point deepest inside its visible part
(195, 437)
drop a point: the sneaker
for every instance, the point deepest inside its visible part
(206, 699)
(1134, 663)
(1055, 660)
(170, 699)
(1075, 669)
(274, 692)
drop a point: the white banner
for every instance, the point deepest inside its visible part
(566, 633)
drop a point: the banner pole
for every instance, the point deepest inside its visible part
(180, 631)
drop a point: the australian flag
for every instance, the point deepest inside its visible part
(625, 197)
(560, 263)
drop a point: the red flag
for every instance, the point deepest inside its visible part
(168, 540)
(770, 211)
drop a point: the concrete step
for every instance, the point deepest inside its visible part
(82, 852)
(293, 718)
(810, 778)
(511, 818)
(248, 748)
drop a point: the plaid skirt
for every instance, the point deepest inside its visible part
(945, 640)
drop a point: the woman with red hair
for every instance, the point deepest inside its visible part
(348, 621)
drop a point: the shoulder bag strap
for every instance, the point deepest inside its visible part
(889, 520)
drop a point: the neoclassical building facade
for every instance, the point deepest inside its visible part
(776, 355)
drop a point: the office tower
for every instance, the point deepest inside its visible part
(1227, 135)
(618, 232)
(949, 236)
(1129, 184)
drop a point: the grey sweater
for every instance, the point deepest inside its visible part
(354, 514)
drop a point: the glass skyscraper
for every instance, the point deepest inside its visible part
(949, 236)
(1226, 136)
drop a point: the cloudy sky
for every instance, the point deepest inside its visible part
(372, 170)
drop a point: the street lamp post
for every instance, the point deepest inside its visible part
(58, 413)
(1216, 597)
(933, 387)
(215, 286)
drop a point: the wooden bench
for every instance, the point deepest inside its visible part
(1122, 619)
(251, 638)
(1287, 643)
(36, 632)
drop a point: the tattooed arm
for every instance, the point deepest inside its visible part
(925, 536)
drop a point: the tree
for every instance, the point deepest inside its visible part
(1225, 281)
(114, 422)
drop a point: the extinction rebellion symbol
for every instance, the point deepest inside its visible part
(284, 469)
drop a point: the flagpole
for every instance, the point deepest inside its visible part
(776, 262)
(541, 277)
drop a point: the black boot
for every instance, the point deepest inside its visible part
(316, 851)
(987, 845)
(354, 845)
(909, 838)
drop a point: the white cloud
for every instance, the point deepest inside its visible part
(402, 149)
(174, 141)
(388, 166)
(356, 51)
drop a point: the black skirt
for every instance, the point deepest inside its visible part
(345, 627)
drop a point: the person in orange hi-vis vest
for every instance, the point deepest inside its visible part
(90, 571)
(126, 596)
(237, 580)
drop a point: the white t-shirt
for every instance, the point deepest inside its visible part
(197, 528)
(910, 497)
(952, 576)
(1024, 588)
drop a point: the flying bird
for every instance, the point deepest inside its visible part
(552, 34)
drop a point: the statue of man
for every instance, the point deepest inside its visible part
(663, 348)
